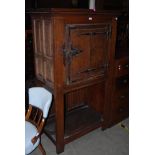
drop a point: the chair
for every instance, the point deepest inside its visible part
(39, 103)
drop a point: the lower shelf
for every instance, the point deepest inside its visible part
(77, 123)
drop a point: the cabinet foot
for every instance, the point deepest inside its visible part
(59, 149)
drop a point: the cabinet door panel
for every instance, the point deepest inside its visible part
(80, 61)
(87, 50)
(99, 50)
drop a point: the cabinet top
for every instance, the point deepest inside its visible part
(72, 11)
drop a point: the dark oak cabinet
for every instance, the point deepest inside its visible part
(120, 76)
(75, 58)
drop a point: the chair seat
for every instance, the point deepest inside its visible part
(30, 132)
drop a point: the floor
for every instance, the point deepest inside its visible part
(112, 141)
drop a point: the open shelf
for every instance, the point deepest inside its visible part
(77, 122)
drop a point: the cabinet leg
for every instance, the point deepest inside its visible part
(59, 149)
(59, 111)
(59, 142)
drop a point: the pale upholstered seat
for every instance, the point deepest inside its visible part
(30, 132)
(39, 103)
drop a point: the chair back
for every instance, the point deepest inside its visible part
(41, 98)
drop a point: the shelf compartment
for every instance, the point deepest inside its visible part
(77, 123)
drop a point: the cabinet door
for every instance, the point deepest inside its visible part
(86, 51)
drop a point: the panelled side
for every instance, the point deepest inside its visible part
(43, 46)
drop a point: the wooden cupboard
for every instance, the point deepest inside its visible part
(120, 77)
(74, 57)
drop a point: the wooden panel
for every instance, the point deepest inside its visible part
(99, 48)
(38, 44)
(38, 36)
(48, 37)
(39, 67)
(79, 62)
(96, 97)
(48, 71)
(87, 96)
(43, 38)
(86, 50)
(76, 98)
